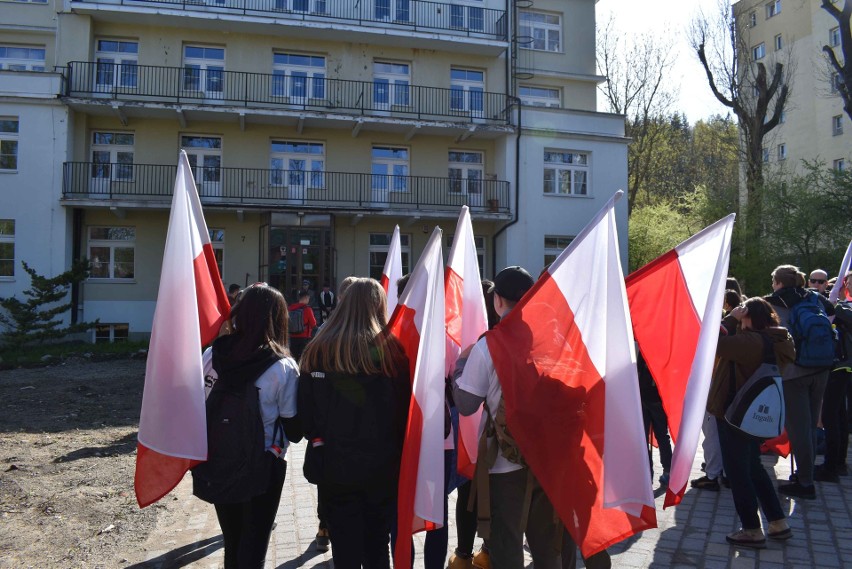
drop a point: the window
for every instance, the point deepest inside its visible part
(112, 156)
(752, 19)
(467, 88)
(783, 118)
(111, 252)
(379, 245)
(554, 245)
(465, 17)
(204, 70)
(834, 37)
(217, 239)
(478, 242)
(539, 96)
(758, 51)
(205, 157)
(22, 57)
(773, 8)
(566, 173)
(296, 163)
(837, 125)
(7, 248)
(389, 170)
(779, 42)
(393, 10)
(298, 76)
(312, 6)
(116, 64)
(836, 82)
(766, 155)
(541, 31)
(465, 172)
(782, 152)
(111, 333)
(8, 143)
(391, 83)
(840, 165)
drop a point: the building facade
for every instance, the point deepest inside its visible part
(814, 125)
(313, 127)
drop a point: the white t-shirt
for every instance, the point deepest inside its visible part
(480, 378)
(277, 396)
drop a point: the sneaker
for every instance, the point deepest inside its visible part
(779, 530)
(747, 538)
(482, 560)
(823, 473)
(705, 483)
(796, 490)
(664, 479)
(322, 541)
(460, 561)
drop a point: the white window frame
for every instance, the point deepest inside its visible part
(752, 19)
(834, 36)
(773, 9)
(391, 84)
(782, 151)
(116, 65)
(765, 154)
(543, 29)
(7, 237)
(759, 51)
(303, 6)
(217, 240)
(837, 125)
(204, 73)
(462, 170)
(110, 330)
(397, 168)
(308, 154)
(535, 96)
(20, 57)
(778, 42)
(10, 128)
(393, 10)
(379, 248)
(467, 15)
(835, 82)
(467, 91)
(554, 245)
(119, 167)
(567, 169)
(299, 77)
(206, 162)
(839, 165)
(113, 244)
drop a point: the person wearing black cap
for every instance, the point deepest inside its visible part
(514, 494)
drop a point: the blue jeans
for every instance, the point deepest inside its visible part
(750, 484)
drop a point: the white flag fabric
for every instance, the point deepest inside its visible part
(392, 271)
(845, 267)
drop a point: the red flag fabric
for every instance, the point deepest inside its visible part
(392, 270)
(565, 360)
(780, 445)
(418, 323)
(675, 305)
(466, 321)
(172, 424)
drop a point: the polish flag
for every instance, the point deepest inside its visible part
(466, 321)
(780, 445)
(191, 307)
(418, 323)
(566, 363)
(676, 306)
(392, 271)
(845, 266)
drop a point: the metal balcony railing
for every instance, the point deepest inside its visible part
(413, 15)
(153, 183)
(215, 87)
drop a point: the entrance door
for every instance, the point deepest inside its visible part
(296, 255)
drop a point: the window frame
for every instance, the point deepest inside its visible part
(379, 248)
(571, 168)
(531, 100)
(463, 184)
(286, 177)
(11, 141)
(526, 21)
(467, 95)
(23, 63)
(834, 36)
(7, 237)
(113, 245)
(758, 52)
(204, 75)
(552, 252)
(392, 180)
(773, 8)
(111, 332)
(778, 42)
(837, 125)
(311, 78)
(782, 151)
(121, 65)
(116, 170)
(217, 241)
(839, 165)
(388, 73)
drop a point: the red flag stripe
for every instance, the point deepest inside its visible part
(453, 298)
(169, 468)
(213, 304)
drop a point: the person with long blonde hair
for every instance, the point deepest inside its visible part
(354, 393)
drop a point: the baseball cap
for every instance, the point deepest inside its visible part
(512, 283)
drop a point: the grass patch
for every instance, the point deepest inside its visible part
(35, 355)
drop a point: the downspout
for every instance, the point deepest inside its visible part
(76, 248)
(517, 102)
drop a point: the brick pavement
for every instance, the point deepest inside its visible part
(690, 535)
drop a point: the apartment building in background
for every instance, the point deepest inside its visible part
(814, 125)
(313, 127)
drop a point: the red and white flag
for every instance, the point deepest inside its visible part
(418, 323)
(845, 267)
(676, 306)
(566, 362)
(466, 321)
(191, 307)
(392, 271)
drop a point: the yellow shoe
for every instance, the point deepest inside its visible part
(458, 562)
(482, 560)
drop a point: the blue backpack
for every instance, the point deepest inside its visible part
(812, 332)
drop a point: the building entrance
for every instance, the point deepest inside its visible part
(295, 254)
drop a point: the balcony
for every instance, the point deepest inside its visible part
(109, 83)
(151, 185)
(395, 22)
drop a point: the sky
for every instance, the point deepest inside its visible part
(671, 18)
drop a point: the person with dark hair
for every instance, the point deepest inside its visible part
(743, 337)
(327, 301)
(733, 284)
(354, 393)
(233, 291)
(257, 347)
(299, 338)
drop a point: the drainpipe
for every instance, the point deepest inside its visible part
(517, 102)
(76, 247)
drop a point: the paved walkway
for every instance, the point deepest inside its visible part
(689, 535)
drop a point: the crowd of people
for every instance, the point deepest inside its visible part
(343, 383)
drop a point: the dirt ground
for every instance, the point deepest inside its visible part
(67, 458)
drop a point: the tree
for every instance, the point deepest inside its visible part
(843, 70)
(636, 87)
(39, 317)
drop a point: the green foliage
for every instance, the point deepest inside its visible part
(655, 229)
(34, 355)
(39, 317)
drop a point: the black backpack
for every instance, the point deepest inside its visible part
(297, 321)
(236, 467)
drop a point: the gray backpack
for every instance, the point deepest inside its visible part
(758, 406)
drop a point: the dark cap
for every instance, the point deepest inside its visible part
(512, 283)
